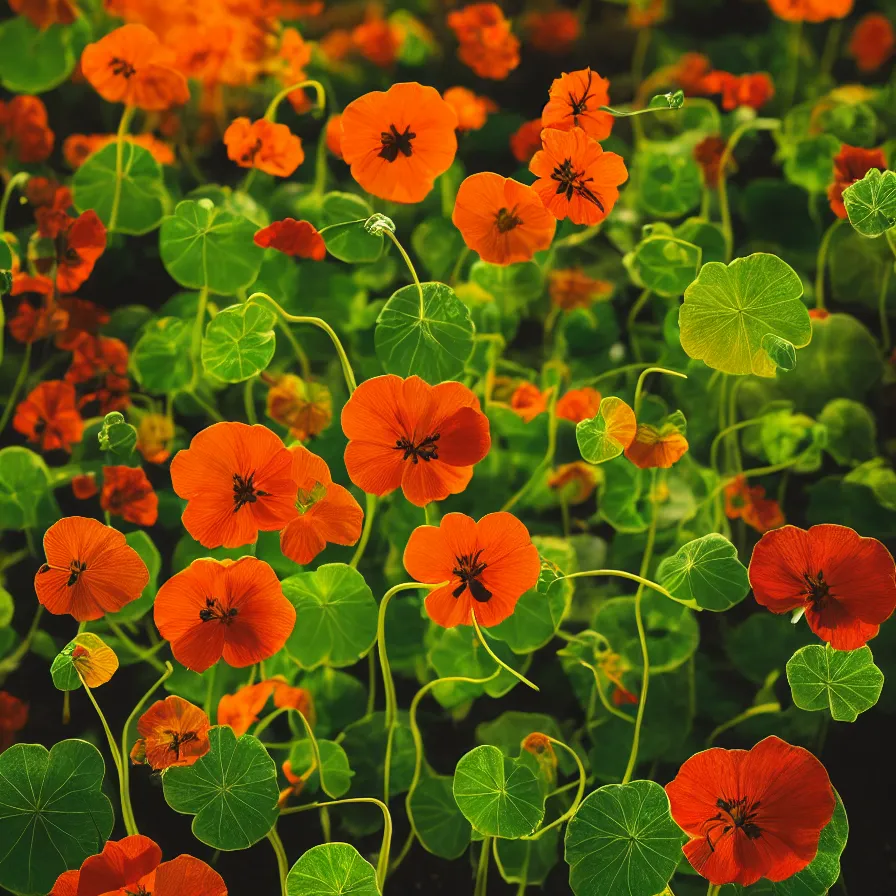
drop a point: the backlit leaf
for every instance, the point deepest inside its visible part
(609, 433)
(160, 360)
(665, 264)
(871, 203)
(239, 342)
(95, 663)
(706, 571)
(332, 869)
(347, 239)
(668, 182)
(337, 772)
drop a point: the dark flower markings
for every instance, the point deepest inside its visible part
(505, 220)
(394, 143)
(735, 815)
(245, 492)
(76, 567)
(426, 450)
(122, 67)
(580, 106)
(818, 591)
(572, 183)
(468, 570)
(214, 609)
(178, 740)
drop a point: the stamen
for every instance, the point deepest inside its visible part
(426, 450)
(468, 569)
(213, 609)
(245, 492)
(395, 143)
(505, 220)
(76, 567)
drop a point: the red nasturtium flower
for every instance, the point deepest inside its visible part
(131, 66)
(79, 246)
(753, 90)
(656, 446)
(264, 145)
(487, 45)
(327, 513)
(528, 401)
(579, 404)
(751, 813)
(49, 416)
(873, 42)
(400, 141)
(134, 865)
(852, 163)
(292, 237)
(304, 407)
(236, 480)
(750, 504)
(576, 178)
(525, 141)
(84, 486)
(90, 570)
(154, 435)
(689, 72)
(13, 718)
(172, 732)
(224, 608)
(810, 10)
(407, 433)
(29, 324)
(83, 317)
(487, 565)
(571, 288)
(502, 219)
(472, 111)
(43, 13)
(24, 130)
(708, 155)
(129, 494)
(845, 583)
(575, 101)
(552, 31)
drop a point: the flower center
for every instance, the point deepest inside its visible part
(214, 609)
(178, 740)
(122, 67)
(306, 499)
(76, 567)
(249, 154)
(818, 591)
(140, 891)
(245, 492)
(395, 143)
(468, 570)
(580, 105)
(573, 183)
(734, 815)
(505, 220)
(426, 450)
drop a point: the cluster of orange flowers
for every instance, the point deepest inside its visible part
(25, 134)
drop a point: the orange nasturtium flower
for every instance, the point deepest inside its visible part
(24, 130)
(472, 111)
(241, 710)
(406, 433)
(130, 65)
(487, 44)
(13, 718)
(852, 163)
(77, 148)
(552, 31)
(129, 494)
(400, 141)
(292, 237)
(84, 486)
(528, 401)
(502, 219)
(654, 446)
(230, 609)
(79, 245)
(133, 866)
(304, 407)
(487, 565)
(525, 141)
(43, 13)
(575, 481)
(49, 416)
(571, 288)
(377, 40)
(327, 512)
(810, 10)
(237, 481)
(90, 570)
(575, 101)
(93, 659)
(873, 42)
(264, 145)
(576, 178)
(155, 433)
(753, 90)
(751, 505)
(172, 732)
(579, 404)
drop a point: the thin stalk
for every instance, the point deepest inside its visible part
(580, 793)
(249, 401)
(142, 653)
(822, 262)
(499, 661)
(17, 387)
(320, 164)
(639, 388)
(882, 311)
(12, 184)
(640, 579)
(370, 505)
(831, 47)
(271, 111)
(722, 433)
(598, 685)
(11, 662)
(120, 136)
(282, 860)
(210, 692)
(410, 265)
(761, 709)
(481, 888)
(794, 48)
(301, 355)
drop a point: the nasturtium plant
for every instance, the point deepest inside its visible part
(871, 203)
(331, 869)
(664, 262)
(705, 572)
(344, 215)
(36, 58)
(239, 342)
(441, 826)
(160, 359)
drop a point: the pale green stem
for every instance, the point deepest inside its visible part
(249, 401)
(481, 888)
(580, 793)
(210, 693)
(142, 653)
(794, 47)
(370, 505)
(714, 447)
(282, 860)
(762, 709)
(301, 355)
(11, 662)
(271, 111)
(882, 310)
(822, 262)
(613, 710)
(12, 184)
(410, 265)
(632, 577)
(639, 389)
(492, 654)
(120, 136)
(17, 387)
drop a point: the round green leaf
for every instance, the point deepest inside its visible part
(535, 619)
(34, 60)
(440, 825)
(871, 203)
(337, 772)
(760, 645)
(25, 495)
(160, 361)
(205, 246)
(809, 164)
(232, 790)
(332, 869)
(54, 814)
(336, 616)
(665, 264)
(499, 796)
(851, 431)
(438, 244)
(431, 336)
(668, 182)
(707, 572)
(622, 841)
(239, 342)
(511, 728)
(846, 682)
(347, 238)
(134, 189)
(729, 310)
(780, 351)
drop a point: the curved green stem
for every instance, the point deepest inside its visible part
(347, 371)
(196, 339)
(125, 752)
(794, 46)
(382, 866)
(613, 710)
(722, 433)
(147, 654)
(640, 579)
(12, 184)
(210, 693)
(642, 638)
(249, 401)
(639, 388)
(11, 663)
(822, 262)
(271, 111)
(882, 310)
(761, 709)
(282, 860)
(120, 136)
(370, 505)
(580, 793)
(497, 659)
(545, 464)
(320, 165)
(17, 387)
(409, 263)
(757, 124)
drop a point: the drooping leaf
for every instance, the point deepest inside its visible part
(337, 772)
(117, 436)
(232, 790)
(54, 814)
(609, 433)
(95, 665)
(336, 616)
(729, 310)
(132, 188)
(441, 826)
(348, 239)
(430, 336)
(529, 859)
(845, 682)
(161, 358)
(239, 342)
(622, 841)
(332, 869)
(206, 246)
(499, 796)
(871, 203)
(706, 571)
